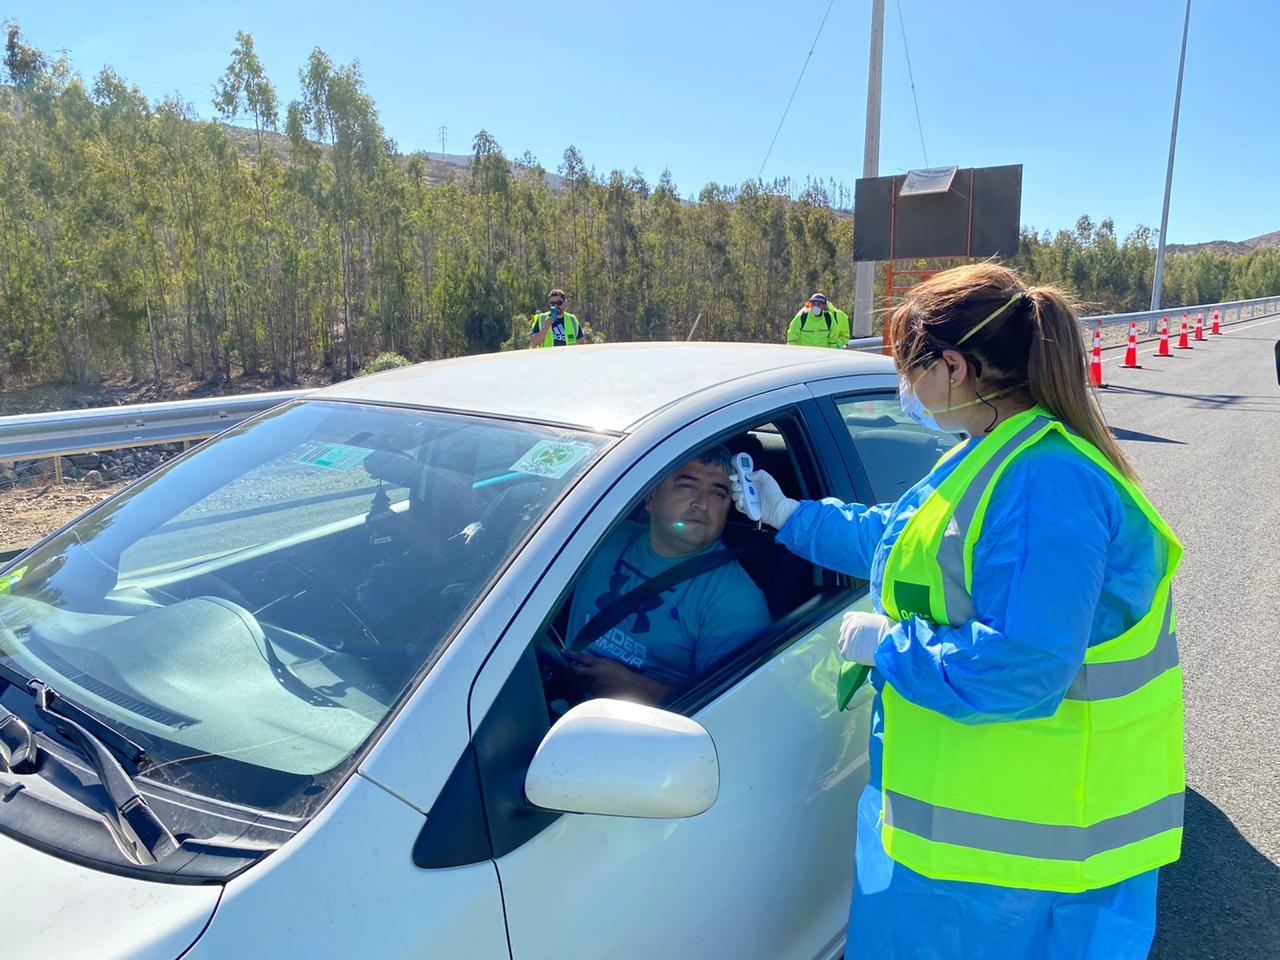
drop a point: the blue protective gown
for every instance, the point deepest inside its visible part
(1065, 560)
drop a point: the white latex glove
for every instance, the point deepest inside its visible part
(775, 506)
(860, 635)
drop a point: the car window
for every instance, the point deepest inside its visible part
(612, 635)
(894, 450)
(251, 613)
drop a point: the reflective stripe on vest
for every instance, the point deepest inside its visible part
(1081, 799)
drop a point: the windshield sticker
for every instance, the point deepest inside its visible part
(552, 458)
(10, 579)
(334, 456)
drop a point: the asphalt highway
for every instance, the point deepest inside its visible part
(1203, 427)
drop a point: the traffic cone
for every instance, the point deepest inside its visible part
(1199, 324)
(1164, 339)
(1095, 365)
(1131, 352)
(1217, 330)
(1182, 338)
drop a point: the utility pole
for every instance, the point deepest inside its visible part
(866, 276)
(1168, 177)
(444, 133)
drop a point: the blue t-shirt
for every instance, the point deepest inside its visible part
(682, 633)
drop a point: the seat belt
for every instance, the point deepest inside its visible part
(632, 600)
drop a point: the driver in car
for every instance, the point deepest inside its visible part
(676, 636)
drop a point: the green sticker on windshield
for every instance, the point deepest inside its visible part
(334, 456)
(551, 458)
(10, 579)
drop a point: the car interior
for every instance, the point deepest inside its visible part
(789, 583)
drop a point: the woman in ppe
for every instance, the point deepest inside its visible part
(1026, 742)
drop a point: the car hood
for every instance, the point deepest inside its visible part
(51, 907)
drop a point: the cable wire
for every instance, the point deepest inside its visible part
(787, 109)
(919, 126)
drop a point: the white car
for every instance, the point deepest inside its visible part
(296, 694)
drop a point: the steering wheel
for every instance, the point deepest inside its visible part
(559, 679)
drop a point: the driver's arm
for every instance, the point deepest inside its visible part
(604, 677)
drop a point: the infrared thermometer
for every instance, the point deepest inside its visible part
(742, 466)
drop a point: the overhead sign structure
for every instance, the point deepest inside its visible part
(939, 212)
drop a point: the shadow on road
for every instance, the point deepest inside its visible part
(1120, 433)
(1222, 899)
(1248, 403)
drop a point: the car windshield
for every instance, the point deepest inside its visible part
(251, 613)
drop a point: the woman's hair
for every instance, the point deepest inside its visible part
(1015, 339)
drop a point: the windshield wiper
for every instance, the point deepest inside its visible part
(135, 821)
(126, 749)
(18, 750)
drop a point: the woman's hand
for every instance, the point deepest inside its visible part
(775, 506)
(860, 635)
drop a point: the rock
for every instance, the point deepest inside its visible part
(113, 473)
(70, 471)
(93, 478)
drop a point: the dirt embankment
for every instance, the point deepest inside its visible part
(33, 505)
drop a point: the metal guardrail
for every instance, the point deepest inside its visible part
(1239, 310)
(68, 432)
(866, 344)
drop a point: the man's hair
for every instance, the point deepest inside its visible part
(718, 455)
(557, 293)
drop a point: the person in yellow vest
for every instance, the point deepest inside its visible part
(553, 327)
(818, 324)
(1026, 743)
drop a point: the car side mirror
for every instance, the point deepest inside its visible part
(624, 759)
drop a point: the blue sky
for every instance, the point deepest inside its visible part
(1080, 93)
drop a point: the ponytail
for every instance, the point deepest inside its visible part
(1057, 374)
(1019, 339)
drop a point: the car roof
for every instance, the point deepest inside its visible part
(601, 387)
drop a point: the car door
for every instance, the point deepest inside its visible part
(766, 872)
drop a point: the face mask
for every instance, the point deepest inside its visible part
(815, 311)
(912, 406)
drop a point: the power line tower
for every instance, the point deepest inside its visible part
(444, 136)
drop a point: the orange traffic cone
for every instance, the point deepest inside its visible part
(1182, 338)
(1131, 352)
(1217, 330)
(1164, 339)
(1199, 324)
(1095, 365)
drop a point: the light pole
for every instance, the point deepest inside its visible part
(866, 275)
(1168, 177)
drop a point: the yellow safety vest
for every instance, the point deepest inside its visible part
(1082, 799)
(572, 330)
(806, 330)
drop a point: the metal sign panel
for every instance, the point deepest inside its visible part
(977, 216)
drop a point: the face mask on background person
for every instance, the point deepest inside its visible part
(815, 310)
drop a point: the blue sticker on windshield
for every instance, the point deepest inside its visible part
(334, 456)
(552, 458)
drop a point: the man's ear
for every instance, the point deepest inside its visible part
(648, 501)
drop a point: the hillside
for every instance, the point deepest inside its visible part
(437, 167)
(1233, 248)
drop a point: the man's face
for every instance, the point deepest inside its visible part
(688, 508)
(556, 304)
